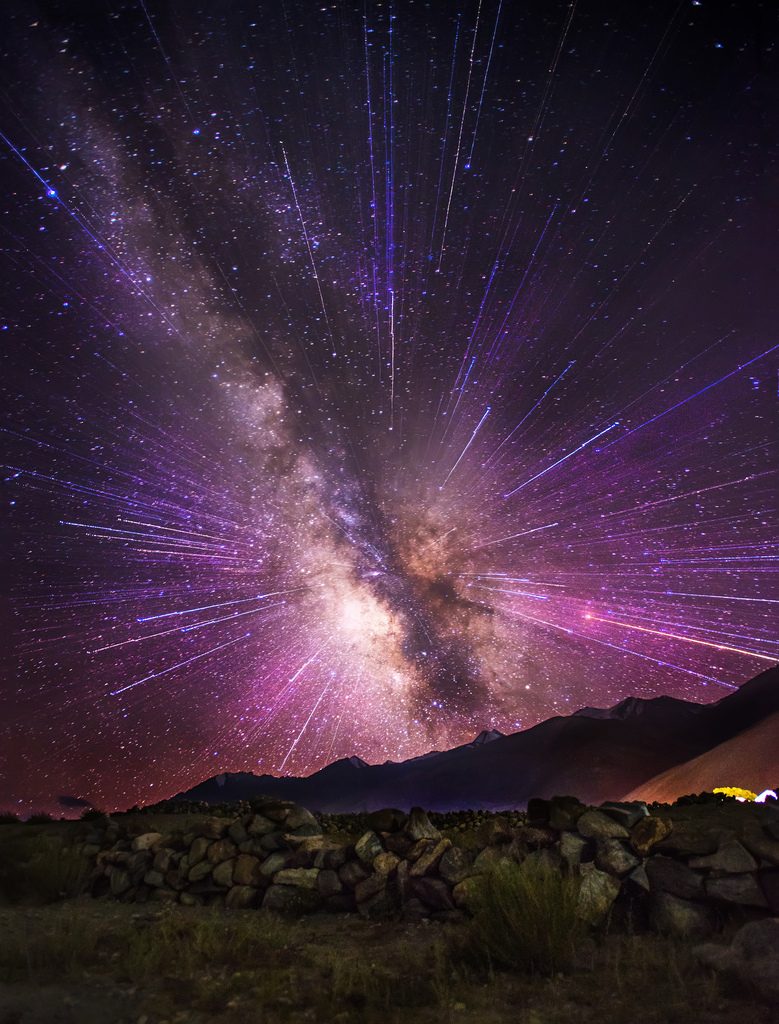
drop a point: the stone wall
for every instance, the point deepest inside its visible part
(683, 875)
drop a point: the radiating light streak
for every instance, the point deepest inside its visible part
(305, 726)
(484, 86)
(513, 536)
(565, 458)
(180, 664)
(465, 449)
(308, 247)
(222, 604)
(697, 394)
(678, 636)
(713, 597)
(617, 647)
(527, 415)
(513, 593)
(306, 663)
(459, 138)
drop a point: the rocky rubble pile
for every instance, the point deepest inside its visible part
(684, 876)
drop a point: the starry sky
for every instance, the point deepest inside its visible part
(374, 374)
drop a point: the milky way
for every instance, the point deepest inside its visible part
(373, 376)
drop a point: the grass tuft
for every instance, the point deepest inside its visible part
(525, 918)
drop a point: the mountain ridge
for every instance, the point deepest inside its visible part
(595, 754)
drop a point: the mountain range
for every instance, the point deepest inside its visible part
(653, 749)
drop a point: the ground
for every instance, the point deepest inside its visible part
(92, 962)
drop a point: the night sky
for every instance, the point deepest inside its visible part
(372, 376)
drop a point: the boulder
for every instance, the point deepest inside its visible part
(647, 832)
(674, 877)
(613, 856)
(237, 832)
(212, 828)
(385, 863)
(369, 887)
(223, 873)
(353, 872)
(302, 878)
(597, 893)
(259, 825)
(752, 958)
(419, 826)
(730, 858)
(466, 893)
(221, 850)
(247, 871)
(628, 813)
(490, 858)
(146, 841)
(198, 850)
(242, 897)
(155, 879)
(427, 861)
(538, 811)
(564, 812)
(387, 820)
(433, 892)
(273, 863)
(762, 846)
(679, 917)
(597, 825)
(368, 847)
(742, 890)
(494, 831)
(120, 881)
(454, 865)
(199, 871)
(693, 839)
(572, 847)
(769, 883)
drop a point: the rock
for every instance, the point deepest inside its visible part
(538, 811)
(564, 812)
(146, 841)
(494, 831)
(223, 873)
(762, 846)
(352, 873)
(303, 878)
(693, 839)
(369, 887)
(740, 889)
(597, 825)
(188, 899)
(455, 865)
(730, 858)
(534, 836)
(422, 865)
(212, 828)
(382, 905)
(332, 857)
(241, 897)
(198, 850)
(273, 863)
(597, 892)
(399, 843)
(682, 918)
(433, 892)
(769, 883)
(200, 871)
(162, 860)
(402, 880)
(290, 900)
(385, 863)
(155, 879)
(247, 871)
(638, 879)
(368, 847)
(164, 896)
(489, 858)
(419, 826)
(328, 883)
(387, 820)
(671, 876)
(572, 847)
(260, 825)
(647, 832)
(752, 957)
(222, 849)
(466, 894)
(237, 832)
(613, 856)
(627, 814)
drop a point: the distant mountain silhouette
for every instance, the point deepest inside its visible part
(595, 754)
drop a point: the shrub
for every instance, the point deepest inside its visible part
(40, 869)
(525, 918)
(7, 818)
(39, 818)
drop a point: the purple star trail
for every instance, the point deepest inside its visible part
(375, 375)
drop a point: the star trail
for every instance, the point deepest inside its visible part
(375, 374)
